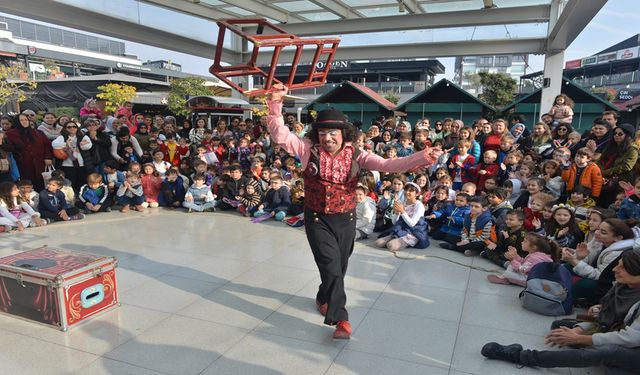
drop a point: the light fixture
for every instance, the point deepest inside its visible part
(387, 79)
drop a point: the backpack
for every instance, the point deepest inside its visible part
(548, 290)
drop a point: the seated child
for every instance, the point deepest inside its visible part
(151, 183)
(469, 188)
(365, 213)
(249, 198)
(553, 177)
(476, 230)
(15, 212)
(172, 190)
(130, 193)
(563, 228)
(199, 196)
(447, 182)
(453, 214)
(31, 197)
(538, 248)
(67, 188)
(630, 207)
(112, 177)
(461, 165)
(533, 219)
(276, 201)
(160, 164)
(53, 205)
(94, 195)
(581, 202)
(297, 198)
(584, 172)
(437, 202)
(395, 192)
(488, 168)
(499, 206)
(410, 229)
(512, 235)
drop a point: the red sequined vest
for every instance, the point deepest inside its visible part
(328, 197)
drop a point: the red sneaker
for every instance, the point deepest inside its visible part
(343, 330)
(322, 308)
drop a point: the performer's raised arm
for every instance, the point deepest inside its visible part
(280, 133)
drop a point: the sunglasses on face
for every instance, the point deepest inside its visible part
(618, 134)
(72, 127)
(562, 130)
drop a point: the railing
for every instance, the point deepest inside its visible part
(609, 79)
(402, 87)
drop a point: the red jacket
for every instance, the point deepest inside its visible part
(467, 174)
(151, 187)
(492, 171)
(529, 215)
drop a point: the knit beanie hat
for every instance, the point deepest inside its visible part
(631, 261)
(629, 129)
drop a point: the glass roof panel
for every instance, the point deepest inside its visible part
(368, 3)
(297, 6)
(382, 11)
(453, 6)
(238, 11)
(213, 2)
(320, 16)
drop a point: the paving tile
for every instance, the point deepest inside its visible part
(178, 346)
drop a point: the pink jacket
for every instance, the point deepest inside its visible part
(302, 147)
(524, 265)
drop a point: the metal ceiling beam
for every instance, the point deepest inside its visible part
(338, 8)
(83, 19)
(191, 8)
(421, 50)
(479, 17)
(263, 10)
(574, 18)
(411, 5)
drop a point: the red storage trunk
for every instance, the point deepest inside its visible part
(57, 287)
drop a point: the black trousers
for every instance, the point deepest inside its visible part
(331, 238)
(606, 355)
(54, 215)
(77, 176)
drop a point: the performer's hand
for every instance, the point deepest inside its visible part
(277, 93)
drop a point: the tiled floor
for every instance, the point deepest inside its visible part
(215, 294)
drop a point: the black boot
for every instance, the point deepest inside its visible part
(446, 245)
(509, 353)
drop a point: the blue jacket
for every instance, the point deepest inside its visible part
(277, 200)
(119, 179)
(454, 218)
(52, 202)
(176, 187)
(630, 208)
(419, 231)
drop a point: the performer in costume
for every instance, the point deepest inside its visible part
(331, 166)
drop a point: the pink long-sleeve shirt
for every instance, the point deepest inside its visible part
(302, 147)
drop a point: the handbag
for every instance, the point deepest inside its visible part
(46, 175)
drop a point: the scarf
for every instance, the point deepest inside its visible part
(615, 305)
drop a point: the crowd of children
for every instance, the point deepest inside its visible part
(498, 191)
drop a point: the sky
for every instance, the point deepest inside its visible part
(615, 22)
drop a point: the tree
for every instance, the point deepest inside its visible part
(180, 89)
(13, 91)
(473, 81)
(497, 88)
(262, 110)
(115, 94)
(392, 96)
